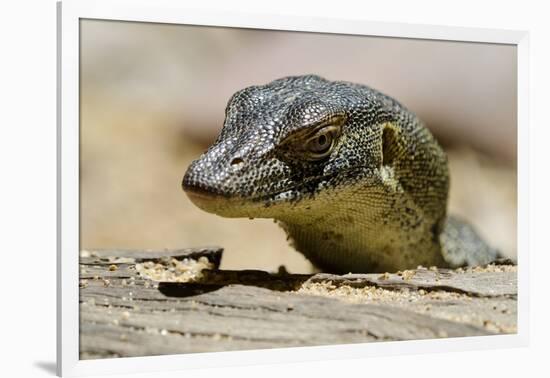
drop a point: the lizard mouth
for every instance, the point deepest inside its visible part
(230, 205)
(203, 198)
(218, 203)
(200, 195)
(307, 186)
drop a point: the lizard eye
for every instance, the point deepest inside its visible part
(322, 142)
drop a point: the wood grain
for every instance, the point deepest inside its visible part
(124, 314)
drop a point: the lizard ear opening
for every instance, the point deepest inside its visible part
(390, 144)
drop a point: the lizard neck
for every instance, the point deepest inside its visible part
(348, 233)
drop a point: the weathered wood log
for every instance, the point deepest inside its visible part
(124, 312)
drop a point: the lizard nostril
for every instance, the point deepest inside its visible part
(237, 162)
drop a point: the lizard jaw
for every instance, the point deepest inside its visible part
(237, 207)
(229, 207)
(207, 201)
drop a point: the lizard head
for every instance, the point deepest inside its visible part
(287, 142)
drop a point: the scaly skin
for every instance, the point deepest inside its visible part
(354, 178)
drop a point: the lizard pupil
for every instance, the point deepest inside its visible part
(320, 145)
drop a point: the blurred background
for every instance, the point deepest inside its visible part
(153, 99)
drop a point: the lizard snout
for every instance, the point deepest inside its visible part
(202, 178)
(215, 190)
(201, 188)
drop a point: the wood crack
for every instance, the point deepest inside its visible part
(122, 313)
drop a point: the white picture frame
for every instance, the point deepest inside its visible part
(173, 11)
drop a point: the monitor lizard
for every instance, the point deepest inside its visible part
(355, 179)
